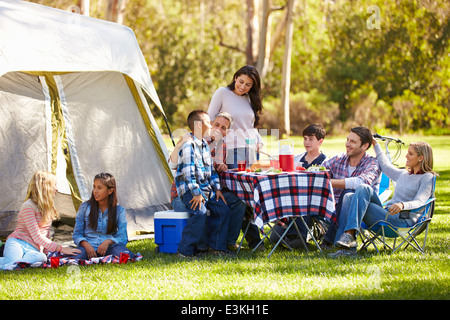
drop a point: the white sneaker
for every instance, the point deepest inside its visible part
(347, 241)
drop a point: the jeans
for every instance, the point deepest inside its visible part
(178, 205)
(292, 233)
(330, 235)
(200, 226)
(114, 249)
(237, 208)
(364, 205)
(17, 250)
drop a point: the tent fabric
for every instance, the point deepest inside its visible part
(72, 43)
(77, 93)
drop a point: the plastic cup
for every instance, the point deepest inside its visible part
(54, 262)
(123, 258)
(242, 165)
(275, 164)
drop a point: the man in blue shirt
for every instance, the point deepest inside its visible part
(198, 186)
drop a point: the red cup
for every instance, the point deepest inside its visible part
(242, 165)
(123, 258)
(275, 164)
(54, 262)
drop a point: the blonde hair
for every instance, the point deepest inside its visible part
(424, 149)
(41, 192)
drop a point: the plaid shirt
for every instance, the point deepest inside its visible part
(367, 170)
(218, 154)
(195, 172)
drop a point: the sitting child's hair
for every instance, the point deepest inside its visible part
(195, 115)
(316, 130)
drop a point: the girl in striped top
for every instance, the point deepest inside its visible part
(30, 238)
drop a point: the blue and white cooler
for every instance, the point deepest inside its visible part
(169, 226)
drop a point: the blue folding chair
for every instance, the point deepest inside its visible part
(384, 191)
(381, 230)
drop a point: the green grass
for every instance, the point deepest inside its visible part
(285, 275)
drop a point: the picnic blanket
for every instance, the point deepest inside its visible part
(55, 260)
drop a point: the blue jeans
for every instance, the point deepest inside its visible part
(237, 213)
(17, 250)
(114, 249)
(237, 208)
(364, 205)
(200, 226)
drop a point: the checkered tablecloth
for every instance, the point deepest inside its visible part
(279, 196)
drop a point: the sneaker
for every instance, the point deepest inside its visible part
(226, 253)
(183, 256)
(233, 247)
(346, 241)
(258, 248)
(326, 246)
(342, 253)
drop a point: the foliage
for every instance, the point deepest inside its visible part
(392, 72)
(403, 60)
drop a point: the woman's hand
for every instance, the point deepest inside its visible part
(395, 208)
(374, 141)
(69, 251)
(101, 250)
(90, 251)
(219, 195)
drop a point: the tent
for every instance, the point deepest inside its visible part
(74, 100)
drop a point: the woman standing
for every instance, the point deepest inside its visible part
(30, 238)
(242, 100)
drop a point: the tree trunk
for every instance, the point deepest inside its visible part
(115, 10)
(286, 74)
(84, 7)
(252, 31)
(264, 40)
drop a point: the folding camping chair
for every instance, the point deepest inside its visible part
(381, 230)
(384, 191)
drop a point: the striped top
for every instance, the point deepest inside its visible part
(29, 229)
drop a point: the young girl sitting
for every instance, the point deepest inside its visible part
(101, 225)
(30, 238)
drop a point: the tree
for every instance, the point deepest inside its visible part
(286, 76)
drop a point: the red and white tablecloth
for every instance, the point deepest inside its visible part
(278, 196)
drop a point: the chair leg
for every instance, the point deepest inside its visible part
(243, 237)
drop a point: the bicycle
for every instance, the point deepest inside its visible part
(384, 190)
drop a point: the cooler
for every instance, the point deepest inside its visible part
(168, 229)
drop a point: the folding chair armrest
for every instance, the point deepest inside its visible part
(424, 205)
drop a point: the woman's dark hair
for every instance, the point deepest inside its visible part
(109, 181)
(254, 93)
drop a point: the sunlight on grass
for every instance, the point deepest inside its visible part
(285, 276)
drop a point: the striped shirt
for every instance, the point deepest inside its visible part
(367, 171)
(195, 172)
(30, 230)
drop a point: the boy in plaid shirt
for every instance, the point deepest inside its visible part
(198, 186)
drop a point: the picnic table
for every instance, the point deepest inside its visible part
(278, 196)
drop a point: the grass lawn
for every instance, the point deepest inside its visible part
(285, 276)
